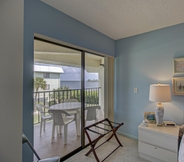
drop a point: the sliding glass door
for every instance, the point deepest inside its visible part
(68, 83)
(57, 89)
(94, 92)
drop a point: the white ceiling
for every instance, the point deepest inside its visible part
(48, 53)
(123, 18)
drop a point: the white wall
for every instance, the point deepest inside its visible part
(54, 80)
(11, 59)
(54, 83)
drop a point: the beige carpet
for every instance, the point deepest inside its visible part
(127, 153)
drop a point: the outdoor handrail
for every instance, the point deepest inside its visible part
(48, 98)
(65, 90)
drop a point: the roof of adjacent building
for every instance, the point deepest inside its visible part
(50, 69)
(68, 73)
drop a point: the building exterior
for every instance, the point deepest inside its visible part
(51, 75)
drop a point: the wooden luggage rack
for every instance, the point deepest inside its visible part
(113, 128)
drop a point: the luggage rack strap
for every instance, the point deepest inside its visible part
(93, 143)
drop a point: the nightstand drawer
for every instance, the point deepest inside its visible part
(159, 140)
(158, 153)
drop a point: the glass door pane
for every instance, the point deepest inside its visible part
(57, 90)
(94, 91)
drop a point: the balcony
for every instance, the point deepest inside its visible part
(49, 98)
(71, 61)
(42, 143)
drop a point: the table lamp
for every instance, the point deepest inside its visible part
(159, 93)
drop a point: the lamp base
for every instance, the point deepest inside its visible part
(159, 114)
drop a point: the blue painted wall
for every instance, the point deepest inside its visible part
(43, 19)
(140, 61)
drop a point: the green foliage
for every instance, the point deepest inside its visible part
(53, 102)
(91, 99)
(93, 80)
(59, 94)
(63, 88)
(39, 83)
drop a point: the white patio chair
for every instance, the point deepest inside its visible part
(91, 113)
(44, 117)
(52, 159)
(60, 120)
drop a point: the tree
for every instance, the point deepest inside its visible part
(39, 83)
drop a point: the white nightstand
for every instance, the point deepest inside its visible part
(158, 144)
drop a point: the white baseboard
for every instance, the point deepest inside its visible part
(128, 135)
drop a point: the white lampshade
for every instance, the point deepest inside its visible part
(160, 93)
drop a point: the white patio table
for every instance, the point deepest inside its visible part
(70, 106)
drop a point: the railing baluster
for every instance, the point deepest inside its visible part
(88, 97)
(97, 98)
(38, 111)
(77, 94)
(49, 99)
(38, 97)
(91, 97)
(62, 96)
(54, 98)
(58, 97)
